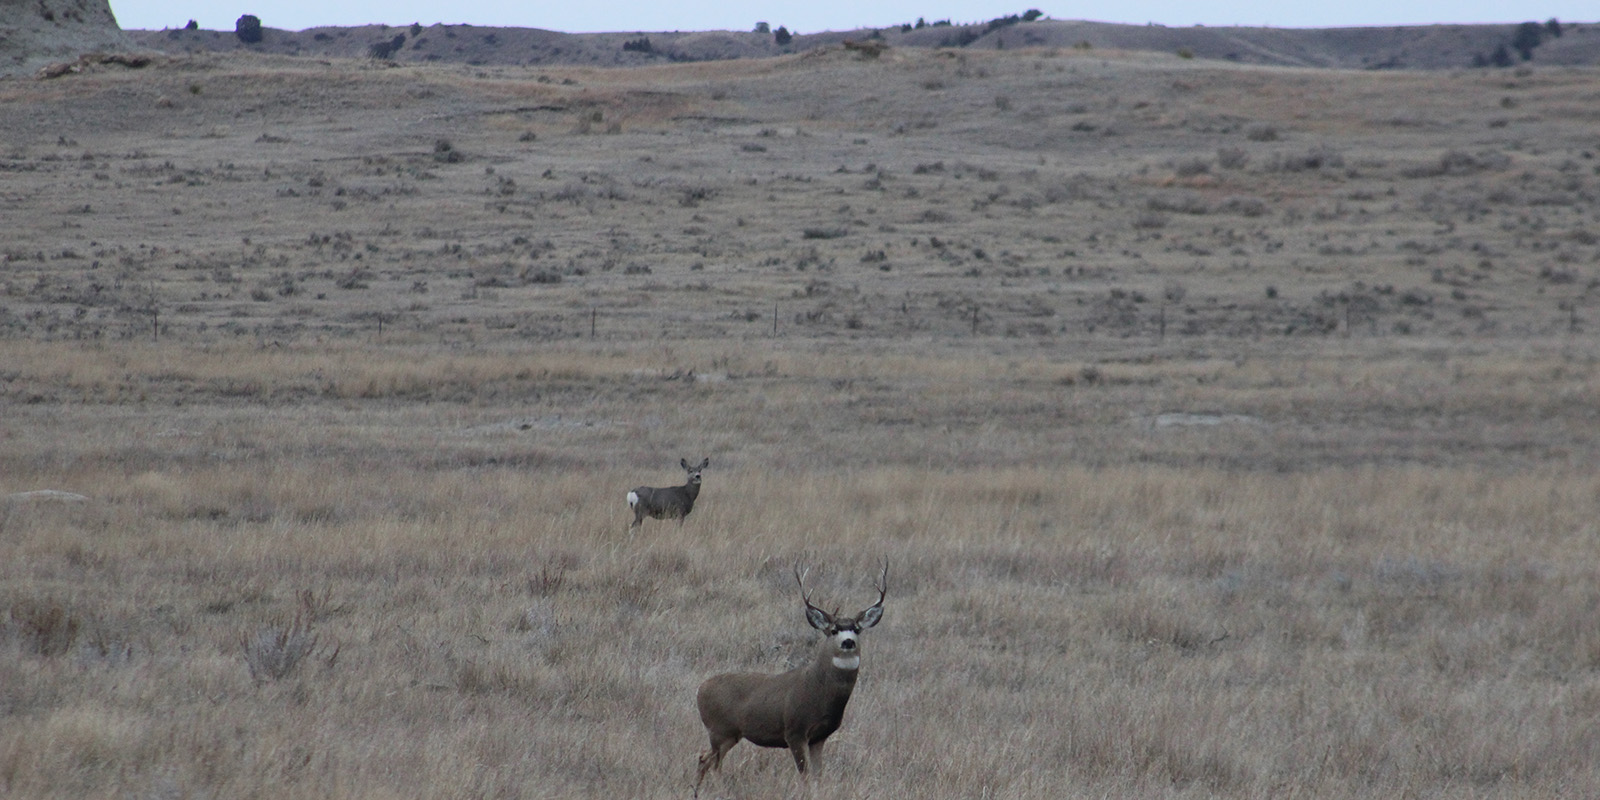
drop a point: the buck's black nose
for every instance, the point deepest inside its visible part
(847, 644)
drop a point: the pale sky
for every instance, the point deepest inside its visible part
(811, 16)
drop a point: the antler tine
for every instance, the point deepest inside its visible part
(883, 581)
(800, 578)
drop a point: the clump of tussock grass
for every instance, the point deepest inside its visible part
(548, 580)
(1184, 202)
(1314, 159)
(1232, 158)
(44, 627)
(1244, 206)
(1261, 132)
(1190, 167)
(275, 652)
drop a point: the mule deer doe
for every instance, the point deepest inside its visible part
(671, 502)
(798, 709)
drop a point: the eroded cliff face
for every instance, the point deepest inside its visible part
(34, 33)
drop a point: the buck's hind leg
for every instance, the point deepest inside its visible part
(712, 759)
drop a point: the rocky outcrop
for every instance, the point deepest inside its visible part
(36, 33)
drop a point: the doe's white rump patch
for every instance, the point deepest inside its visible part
(633, 499)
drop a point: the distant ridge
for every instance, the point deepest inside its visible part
(44, 31)
(1405, 47)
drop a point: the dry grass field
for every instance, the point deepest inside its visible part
(1230, 431)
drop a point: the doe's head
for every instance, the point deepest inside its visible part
(695, 470)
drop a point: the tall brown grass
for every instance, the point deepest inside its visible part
(1051, 631)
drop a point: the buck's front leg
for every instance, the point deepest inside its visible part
(797, 748)
(814, 760)
(805, 783)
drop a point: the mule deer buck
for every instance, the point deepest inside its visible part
(671, 502)
(798, 709)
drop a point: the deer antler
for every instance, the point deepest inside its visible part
(805, 594)
(870, 616)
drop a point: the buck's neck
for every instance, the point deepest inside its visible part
(832, 666)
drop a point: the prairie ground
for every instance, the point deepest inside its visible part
(1229, 431)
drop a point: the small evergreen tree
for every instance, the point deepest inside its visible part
(1528, 36)
(248, 29)
(192, 26)
(782, 36)
(383, 51)
(762, 27)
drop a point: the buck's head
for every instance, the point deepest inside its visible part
(694, 471)
(844, 633)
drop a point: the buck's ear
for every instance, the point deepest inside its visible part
(870, 617)
(818, 618)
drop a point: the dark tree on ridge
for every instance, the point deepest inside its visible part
(248, 29)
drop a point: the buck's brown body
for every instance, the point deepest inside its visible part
(802, 706)
(798, 709)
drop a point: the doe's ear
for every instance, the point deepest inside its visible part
(683, 462)
(870, 617)
(704, 463)
(818, 618)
